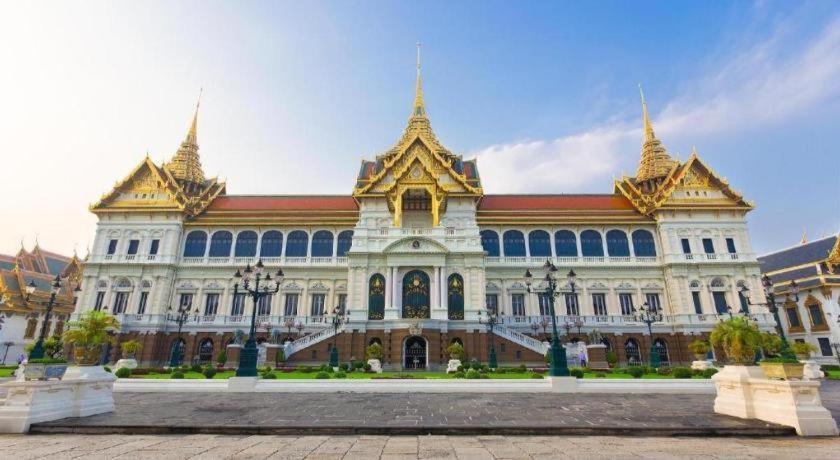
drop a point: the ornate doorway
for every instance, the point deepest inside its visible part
(416, 295)
(415, 353)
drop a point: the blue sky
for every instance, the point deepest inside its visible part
(295, 93)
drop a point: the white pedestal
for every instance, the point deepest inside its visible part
(744, 392)
(375, 365)
(242, 384)
(129, 363)
(701, 365)
(563, 384)
(42, 401)
(452, 366)
(812, 370)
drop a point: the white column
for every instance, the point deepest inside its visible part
(389, 289)
(435, 288)
(444, 300)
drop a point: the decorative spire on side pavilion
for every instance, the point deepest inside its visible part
(186, 164)
(655, 162)
(419, 106)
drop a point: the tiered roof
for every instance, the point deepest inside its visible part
(811, 264)
(39, 267)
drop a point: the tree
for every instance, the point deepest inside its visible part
(739, 339)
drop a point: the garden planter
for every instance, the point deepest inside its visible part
(39, 371)
(86, 356)
(783, 371)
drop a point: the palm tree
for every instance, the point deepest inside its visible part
(739, 338)
(89, 333)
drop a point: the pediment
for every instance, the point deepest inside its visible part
(145, 187)
(415, 246)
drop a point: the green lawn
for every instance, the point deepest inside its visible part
(7, 371)
(833, 375)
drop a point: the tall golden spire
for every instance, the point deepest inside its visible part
(655, 162)
(186, 164)
(419, 105)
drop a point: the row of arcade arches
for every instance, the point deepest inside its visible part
(513, 243)
(270, 244)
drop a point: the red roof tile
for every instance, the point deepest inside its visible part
(283, 203)
(554, 202)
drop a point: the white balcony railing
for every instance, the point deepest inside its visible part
(574, 261)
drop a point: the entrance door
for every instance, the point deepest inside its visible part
(416, 295)
(415, 353)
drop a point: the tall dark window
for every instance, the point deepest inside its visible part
(196, 244)
(154, 247)
(342, 304)
(514, 243)
(291, 307)
(322, 244)
(490, 242)
(698, 306)
(246, 244)
(517, 304)
(376, 297)
(318, 304)
(730, 246)
(745, 306)
(599, 304)
(793, 317)
(112, 247)
(211, 304)
(591, 244)
(264, 305)
(686, 246)
(186, 302)
(719, 298)
(120, 302)
(297, 244)
(545, 304)
(491, 302)
(100, 299)
(652, 299)
(625, 301)
(708, 246)
(345, 241)
(133, 246)
(455, 297)
(572, 308)
(643, 245)
(539, 244)
(272, 243)
(144, 299)
(237, 307)
(816, 314)
(220, 244)
(825, 346)
(617, 245)
(565, 243)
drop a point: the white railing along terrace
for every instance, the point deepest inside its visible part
(522, 339)
(311, 339)
(563, 261)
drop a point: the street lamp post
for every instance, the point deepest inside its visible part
(559, 366)
(649, 315)
(181, 317)
(248, 356)
(55, 287)
(491, 321)
(770, 296)
(336, 322)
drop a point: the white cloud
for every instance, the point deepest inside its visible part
(763, 84)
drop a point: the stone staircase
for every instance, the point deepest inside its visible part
(522, 339)
(311, 339)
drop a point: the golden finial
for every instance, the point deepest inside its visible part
(655, 162)
(648, 127)
(419, 105)
(192, 135)
(804, 238)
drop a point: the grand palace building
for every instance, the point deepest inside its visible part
(416, 254)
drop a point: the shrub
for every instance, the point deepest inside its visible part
(460, 374)
(177, 375)
(522, 368)
(358, 364)
(536, 376)
(636, 372)
(130, 348)
(830, 367)
(221, 358)
(485, 376)
(600, 375)
(577, 373)
(304, 369)
(738, 337)
(501, 371)
(340, 375)
(107, 369)
(708, 373)
(473, 374)
(123, 373)
(802, 348)
(664, 371)
(209, 373)
(699, 347)
(460, 368)
(612, 359)
(196, 368)
(771, 344)
(475, 365)
(456, 351)
(374, 351)
(322, 375)
(367, 367)
(485, 368)
(280, 356)
(325, 368)
(344, 366)
(269, 376)
(142, 371)
(682, 373)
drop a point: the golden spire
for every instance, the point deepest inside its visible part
(804, 238)
(419, 105)
(655, 162)
(186, 164)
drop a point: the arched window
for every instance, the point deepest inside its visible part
(322, 244)
(220, 244)
(297, 244)
(196, 244)
(717, 283)
(631, 351)
(661, 348)
(375, 340)
(490, 242)
(376, 297)
(643, 245)
(246, 244)
(455, 288)
(617, 245)
(565, 243)
(539, 243)
(591, 244)
(514, 242)
(205, 351)
(345, 242)
(272, 243)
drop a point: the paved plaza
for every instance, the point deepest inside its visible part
(208, 447)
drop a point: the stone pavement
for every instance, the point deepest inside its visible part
(208, 447)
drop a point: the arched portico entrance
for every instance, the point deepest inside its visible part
(415, 353)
